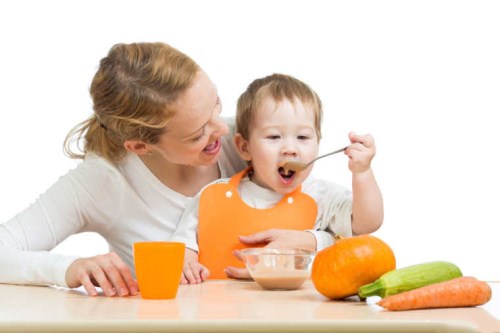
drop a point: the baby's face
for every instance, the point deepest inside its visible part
(281, 131)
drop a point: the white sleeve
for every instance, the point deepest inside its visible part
(187, 229)
(334, 210)
(85, 199)
(323, 239)
(33, 268)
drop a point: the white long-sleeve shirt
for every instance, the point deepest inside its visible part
(334, 210)
(124, 203)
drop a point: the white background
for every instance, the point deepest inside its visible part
(422, 76)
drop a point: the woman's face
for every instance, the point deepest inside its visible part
(280, 132)
(193, 135)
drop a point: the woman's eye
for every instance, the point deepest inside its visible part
(201, 136)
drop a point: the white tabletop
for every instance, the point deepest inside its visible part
(227, 306)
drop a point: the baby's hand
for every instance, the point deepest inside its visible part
(360, 152)
(193, 272)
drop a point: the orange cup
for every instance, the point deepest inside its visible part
(158, 267)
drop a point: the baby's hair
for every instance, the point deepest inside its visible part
(279, 87)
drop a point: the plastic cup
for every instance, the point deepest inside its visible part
(158, 268)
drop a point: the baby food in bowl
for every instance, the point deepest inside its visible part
(278, 269)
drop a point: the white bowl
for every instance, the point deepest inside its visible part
(278, 269)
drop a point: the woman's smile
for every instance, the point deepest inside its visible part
(213, 148)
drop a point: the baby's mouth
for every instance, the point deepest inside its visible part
(287, 176)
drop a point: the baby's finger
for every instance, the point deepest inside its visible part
(196, 270)
(368, 140)
(188, 274)
(205, 273)
(183, 279)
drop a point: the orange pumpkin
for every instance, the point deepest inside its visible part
(339, 270)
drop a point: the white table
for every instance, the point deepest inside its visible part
(227, 306)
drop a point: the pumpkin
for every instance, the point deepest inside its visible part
(338, 271)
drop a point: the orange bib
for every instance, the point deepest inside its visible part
(224, 216)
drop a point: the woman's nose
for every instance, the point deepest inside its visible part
(219, 126)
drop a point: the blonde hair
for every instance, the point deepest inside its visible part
(279, 87)
(131, 93)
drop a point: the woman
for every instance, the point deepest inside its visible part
(154, 140)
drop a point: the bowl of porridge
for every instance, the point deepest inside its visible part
(278, 269)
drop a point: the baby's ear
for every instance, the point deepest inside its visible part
(242, 146)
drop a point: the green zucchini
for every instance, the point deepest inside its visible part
(411, 277)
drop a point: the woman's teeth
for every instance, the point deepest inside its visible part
(212, 147)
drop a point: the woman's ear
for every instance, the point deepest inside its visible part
(137, 147)
(242, 146)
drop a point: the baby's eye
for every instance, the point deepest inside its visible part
(302, 137)
(273, 137)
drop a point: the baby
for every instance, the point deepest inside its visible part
(278, 119)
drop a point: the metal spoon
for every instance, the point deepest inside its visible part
(297, 166)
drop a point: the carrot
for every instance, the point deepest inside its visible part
(457, 292)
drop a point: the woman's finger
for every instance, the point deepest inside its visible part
(98, 274)
(121, 277)
(262, 237)
(88, 285)
(116, 281)
(237, 273)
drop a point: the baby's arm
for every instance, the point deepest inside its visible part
(367, 203)
(193, 272)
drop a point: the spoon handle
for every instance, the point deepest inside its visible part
(328, 154)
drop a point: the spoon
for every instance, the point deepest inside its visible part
(297, 166)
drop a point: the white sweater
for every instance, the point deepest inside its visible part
(124, 203)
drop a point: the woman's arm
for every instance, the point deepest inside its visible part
(85, 199)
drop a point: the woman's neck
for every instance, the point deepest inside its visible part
(184, 179)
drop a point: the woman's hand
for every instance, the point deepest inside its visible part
(236, 272)
(107, 271)
(193, 272)
(281, 238)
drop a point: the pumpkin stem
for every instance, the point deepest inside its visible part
(337, 237)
